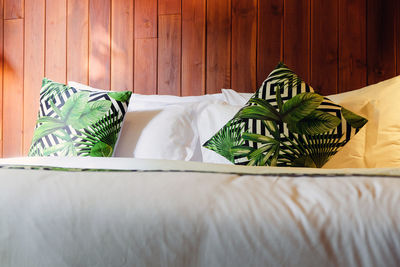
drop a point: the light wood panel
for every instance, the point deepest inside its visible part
(13, 9)
(34, 54)
(219, 34)
(99, 44)
(193, 47)
(78, 41)
(169, 55)
(145, 75)
(56, 40)
(187, 47)
(122, 45)
(13, 87)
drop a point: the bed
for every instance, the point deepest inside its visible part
(161, 202)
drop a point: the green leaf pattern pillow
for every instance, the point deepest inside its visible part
(74, 122)
(286, 123)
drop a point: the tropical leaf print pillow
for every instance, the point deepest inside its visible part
(73, 122)
(286, 123)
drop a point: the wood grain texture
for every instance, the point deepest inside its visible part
(145, 75)
(56, 40)
(13, 83)
(13, 9)
(219, 34)
(352, 45)
(34, 65)
(270, 37)
(297, 37)
(145, 19)
(122, 45)
(244, 45)
(169, 7)
(381, 40)
(78, 41)
(193, 47)
(99, 44)
(2, 63)
(169, 55)
(324, 46)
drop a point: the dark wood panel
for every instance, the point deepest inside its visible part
(193, 47)
(33, 66)
(270, 37)
(169, 7)
(297, 37)
(352, 45)
(381, 40)
(324, 46)
(122, 45)
(13, 82)
(145, 74)
(13, 9)
(78, 41)
(398, 37)
(56, 40)
(169, 55)
(99, 44)
(145, 19)
(244, 45)
(219, 34)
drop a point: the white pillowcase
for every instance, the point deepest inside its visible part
(160, 126)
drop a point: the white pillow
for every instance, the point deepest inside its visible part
(160, 126)
(378, 143)
(211, 117)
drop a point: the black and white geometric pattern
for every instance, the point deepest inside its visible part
(116, 112)
(288, 89)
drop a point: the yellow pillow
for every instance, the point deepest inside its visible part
(378, 143)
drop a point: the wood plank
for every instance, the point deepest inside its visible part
(297, 37)
(381, 40)
(56, 40)
(352, 45)
(122, 45)
(99, 44)
(34, 65)
(13, 9)
(169, 55)
(244, 45)
(145, 19)
(78, 41)
(145, 75)
(193, 47)
(324, 47)
(218, 46)
(270, 37)
(2, 63)
(13, 87)
(169, 7)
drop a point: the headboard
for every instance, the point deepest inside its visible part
(187, 47)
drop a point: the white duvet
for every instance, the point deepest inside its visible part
(194, 214)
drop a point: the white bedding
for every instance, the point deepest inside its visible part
(196, 214)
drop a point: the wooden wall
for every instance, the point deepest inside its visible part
(186, 47)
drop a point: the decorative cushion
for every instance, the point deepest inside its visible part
(286, 124)
(74, 122)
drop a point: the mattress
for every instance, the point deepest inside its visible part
(131, 212)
